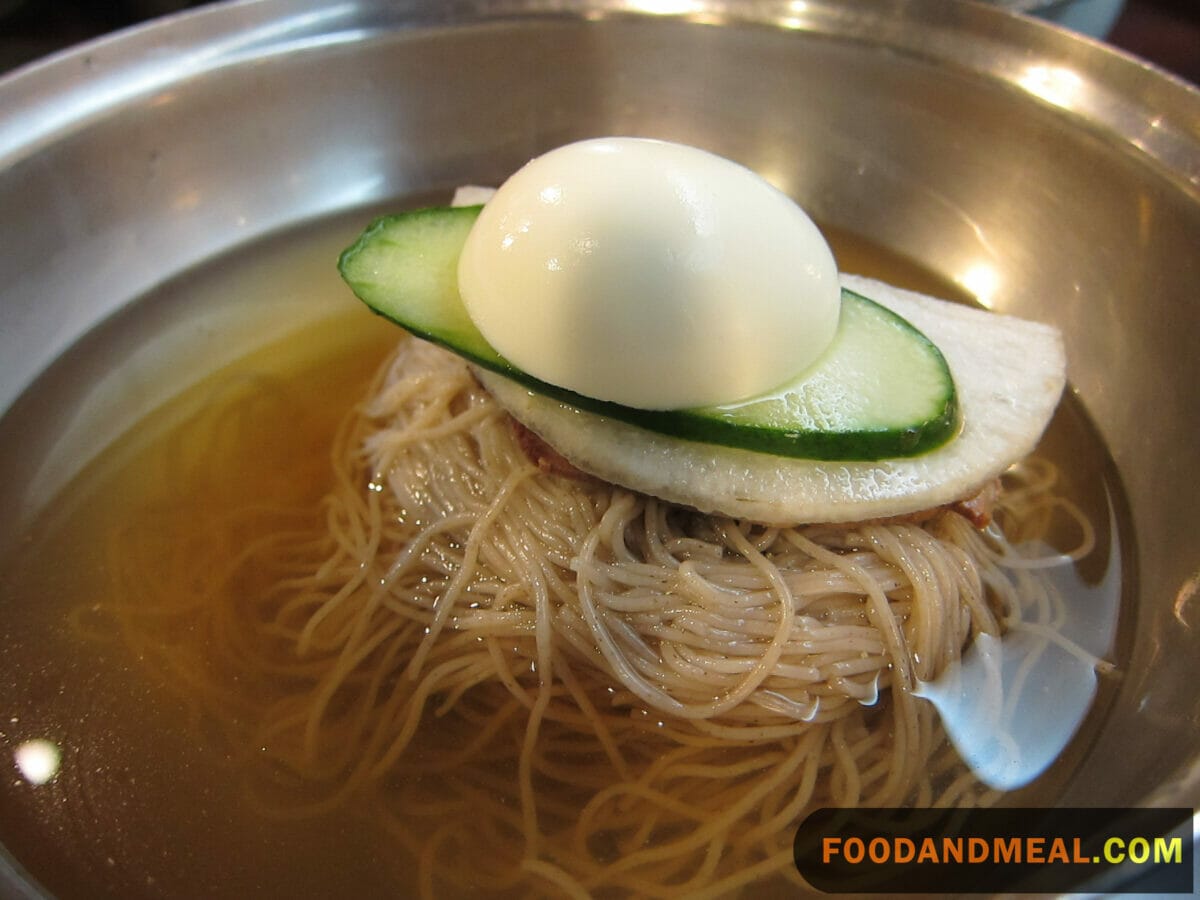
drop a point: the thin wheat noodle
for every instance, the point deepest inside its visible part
(575, 688)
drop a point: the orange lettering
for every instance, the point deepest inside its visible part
(977, 850)
(1008, 851)
(1058, 851)
(854, 850)
(879, 850)
(928, 851)
(1079, 855)
(952, 850)
(1034, 850)
(829, 847)
(906, 850)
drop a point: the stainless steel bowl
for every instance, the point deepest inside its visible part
(1046, 174)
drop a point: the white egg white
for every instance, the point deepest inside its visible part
(650, 274)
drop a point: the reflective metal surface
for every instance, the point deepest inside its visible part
(1047, 175)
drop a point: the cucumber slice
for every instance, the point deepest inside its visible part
(405, 267)
(1009, 374)
(881, 391)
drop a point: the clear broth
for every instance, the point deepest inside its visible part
(142, 803)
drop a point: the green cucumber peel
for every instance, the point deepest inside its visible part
(882, 390)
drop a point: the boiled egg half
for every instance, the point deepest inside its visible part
(650, 274)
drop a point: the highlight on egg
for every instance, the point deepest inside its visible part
(650, 274)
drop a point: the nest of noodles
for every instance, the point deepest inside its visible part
(580, 689)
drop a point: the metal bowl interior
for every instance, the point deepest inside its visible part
(1047, 175)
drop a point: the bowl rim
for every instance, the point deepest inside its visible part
(1110, 93)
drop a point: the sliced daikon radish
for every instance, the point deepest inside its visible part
(1009, 374)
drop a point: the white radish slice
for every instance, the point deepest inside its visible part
(1009, 374)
